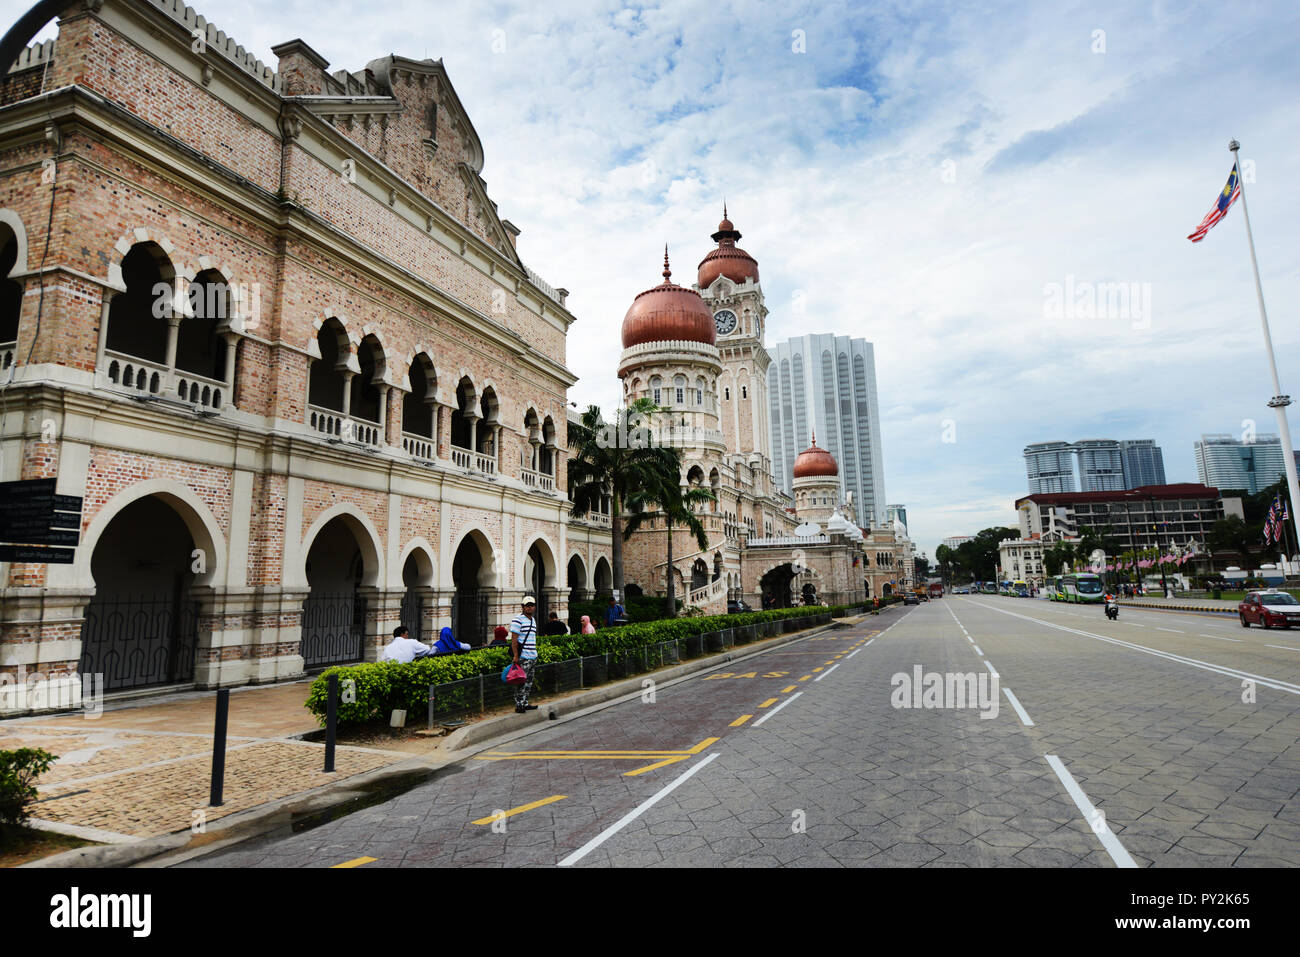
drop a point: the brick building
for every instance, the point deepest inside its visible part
(270, 325)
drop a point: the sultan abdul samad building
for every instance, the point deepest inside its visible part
(270, 329)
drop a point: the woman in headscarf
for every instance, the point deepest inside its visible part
(500, 636)
(447, 645)
(587, 627)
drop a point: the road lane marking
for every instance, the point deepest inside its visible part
(776, 709)
(1277, 684)
(805, 677)
(521, 809)
(739, 721)
(991, 669)
(357, 862)
(1221, 638)
(977, 649)
(769, 702)
(655, 766)
(1024, 718)
(789, 689)
(633, 814)
(828, 671)
(1174, 630)
(1283, 647)
(815, 670)
(1107, 837)
(703, 744)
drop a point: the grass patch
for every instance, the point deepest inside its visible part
(21, 845)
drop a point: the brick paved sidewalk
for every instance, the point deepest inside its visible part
(144, 768)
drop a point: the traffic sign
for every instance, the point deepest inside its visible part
(36, 554)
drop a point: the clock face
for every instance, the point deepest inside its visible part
(725, 320)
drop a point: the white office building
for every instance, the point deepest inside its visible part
(827, 384)
(1228, 463)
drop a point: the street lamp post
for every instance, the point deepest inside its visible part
(1155, 527)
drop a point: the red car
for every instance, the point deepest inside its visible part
(1269, 608)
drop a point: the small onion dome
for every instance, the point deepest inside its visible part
(815, 461)
(728, 259)
(668, 313)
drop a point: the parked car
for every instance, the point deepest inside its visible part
(1269, 608)
(910, 598)
(737, 606)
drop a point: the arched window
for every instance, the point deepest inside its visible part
(548, 448)
(367, 396)
(419, 406)
(11, 292)
(326, 379)
(200, 347)
(137, 318)
(699, 390)
(655, 387)
(679, 388)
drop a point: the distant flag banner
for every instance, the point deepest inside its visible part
(1221, 206)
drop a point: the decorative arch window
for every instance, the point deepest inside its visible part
(679, 387)
(699, 390)
(726, 394)
(420, 409)
(655, 387)
(744, 392)
(11, 295)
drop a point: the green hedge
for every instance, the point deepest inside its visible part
(18, 773)
(385, 686)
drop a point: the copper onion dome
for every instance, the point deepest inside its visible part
(668, 312)
(728, 259)
(815, 461)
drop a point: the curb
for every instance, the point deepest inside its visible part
(169, 849)
(1199, 609)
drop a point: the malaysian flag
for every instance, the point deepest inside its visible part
(1269, 534)
(1221, 206)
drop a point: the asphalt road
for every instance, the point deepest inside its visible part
(1164, 739)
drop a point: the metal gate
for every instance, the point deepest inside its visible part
(469, 618)
(333, 630)
(413, 613)
(139, 642)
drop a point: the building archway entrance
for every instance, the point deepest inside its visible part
(334, 612)
(699, 574)
(577, 580)
(775, 586)
(141, 628)
(535, 576)
(469, 607)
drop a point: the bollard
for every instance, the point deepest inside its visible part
(331, 721)
(219, 748)
(431, 696)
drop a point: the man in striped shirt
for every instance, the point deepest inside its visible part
(523, 646)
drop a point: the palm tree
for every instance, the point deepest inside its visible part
(667, 498)
(616, 459)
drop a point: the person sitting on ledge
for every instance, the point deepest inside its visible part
(554, 626)
(447, 645)
(403, 648)
(587, 627)
(500, 636)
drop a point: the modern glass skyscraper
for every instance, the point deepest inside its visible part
(1050, 466)
(827, 383)
(1104, 465)
(1144, 463)
(1101, 468)
(1228, 463)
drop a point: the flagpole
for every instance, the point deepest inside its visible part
(1279, 402)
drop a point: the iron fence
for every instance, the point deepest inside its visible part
(482, 693)
(139, 642)
(333, 630)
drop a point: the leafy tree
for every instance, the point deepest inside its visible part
(921, 565)
(617, 459)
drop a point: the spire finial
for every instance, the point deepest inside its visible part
(724, 207)
(667, 272)
(814, 437)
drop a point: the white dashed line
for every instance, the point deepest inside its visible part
(990, 668)
(1174, 630)
(826, 672)
(776, 709)
(1283, 647)
(636, 812)
(1220, 637)
(1024, 718)
(1091, 815)
(977, 649)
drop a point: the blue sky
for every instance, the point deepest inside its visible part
(918, 175)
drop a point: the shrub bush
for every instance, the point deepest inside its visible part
(18, 772)
(381, 687)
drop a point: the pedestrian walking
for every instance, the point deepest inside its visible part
(523, 647)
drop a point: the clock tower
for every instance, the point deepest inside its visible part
(728, 284)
